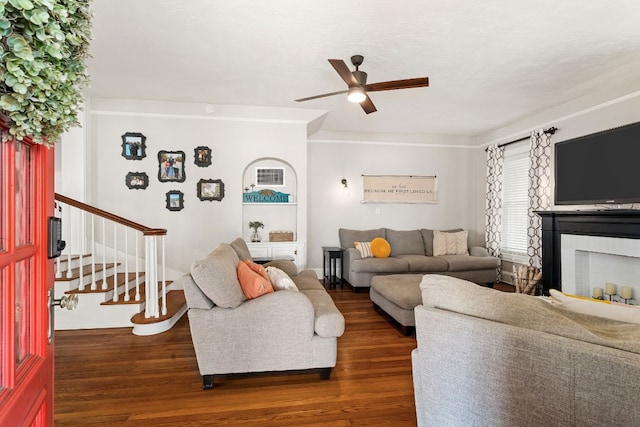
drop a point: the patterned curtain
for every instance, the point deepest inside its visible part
(539, 192)
(493, 224)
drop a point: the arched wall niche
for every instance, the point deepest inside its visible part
(270, 174)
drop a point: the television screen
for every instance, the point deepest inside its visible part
(603, 167)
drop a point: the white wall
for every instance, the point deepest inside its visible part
(201, 225)
(330, 208)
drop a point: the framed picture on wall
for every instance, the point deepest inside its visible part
(175, 200)
(137, 180)
(202, 156)
(133, 146)
(210, 189)
(171, 166)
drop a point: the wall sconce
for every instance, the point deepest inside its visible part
(344, 182)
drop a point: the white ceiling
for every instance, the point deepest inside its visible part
(489, 62)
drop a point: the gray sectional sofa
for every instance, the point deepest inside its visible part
(411, 253)
(504, 359)
(279, 331)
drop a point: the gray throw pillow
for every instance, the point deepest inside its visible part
(217, 277)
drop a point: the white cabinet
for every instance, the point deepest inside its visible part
(275, 250)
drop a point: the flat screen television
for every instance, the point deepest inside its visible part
(602, 167)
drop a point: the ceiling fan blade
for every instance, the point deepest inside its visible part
(321, 96)
(397, 84)
(367, 106)
(344, 72)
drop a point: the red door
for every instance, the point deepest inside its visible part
(26, 275)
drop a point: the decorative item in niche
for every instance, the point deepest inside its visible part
(269, 177)
(210, 189)
(202, 156)
(265, 196)
(171, 166)
(133, 146)
(256, 225)
(175, 200)
(137, 180)
(399, 189)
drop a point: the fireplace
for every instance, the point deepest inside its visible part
(616, 247)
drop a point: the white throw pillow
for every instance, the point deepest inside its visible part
(620, 312)
(445, 243)
(364, 248)
(280, 280)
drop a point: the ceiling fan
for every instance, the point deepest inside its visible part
(358, 87)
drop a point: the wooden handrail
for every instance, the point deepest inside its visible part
(147, 231)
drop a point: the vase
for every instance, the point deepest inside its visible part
(255, 236)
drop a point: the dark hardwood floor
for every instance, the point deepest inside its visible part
(114, 378)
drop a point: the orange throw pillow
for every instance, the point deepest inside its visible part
(258, 269)
(253, 285)
(380, 247)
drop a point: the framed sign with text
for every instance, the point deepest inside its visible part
(399, 189)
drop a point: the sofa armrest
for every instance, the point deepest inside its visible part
(478, 251)
(285, 265)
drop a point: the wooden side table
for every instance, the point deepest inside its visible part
(330, 257)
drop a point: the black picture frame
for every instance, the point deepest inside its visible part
(202, 156)
(137, 180)
(134, 146)
(175, 200)
(210, 189)
(171, 166)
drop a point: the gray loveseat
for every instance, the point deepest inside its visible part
(279, 331)
(492, 358)
(411, 252)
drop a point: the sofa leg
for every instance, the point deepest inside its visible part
(325, 373)
(376, 307)
(407, 330)
(207, 382)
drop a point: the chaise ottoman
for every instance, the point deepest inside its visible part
(397, 295)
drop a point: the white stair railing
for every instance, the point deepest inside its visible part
(110, 241)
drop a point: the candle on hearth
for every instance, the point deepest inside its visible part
(626, 292)
(610, 288)
(598, 292)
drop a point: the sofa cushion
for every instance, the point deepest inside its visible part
(380, 265)
(467, 262)
(216, 276)
(450, 243)
(348, 237)
(285, 265)
(380, 248)
(329, 322)
(427, 236)
(280, 280)
(192, 293)
(405, 242)
(364, 248)
(425, 264)
(241, 248)
(401, 289)
(253, 284)
(526, 311)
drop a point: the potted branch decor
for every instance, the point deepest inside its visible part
(255, 236)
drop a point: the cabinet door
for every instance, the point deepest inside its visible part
(259, 251)
(285, 251)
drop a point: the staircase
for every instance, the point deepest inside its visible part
(111, 288)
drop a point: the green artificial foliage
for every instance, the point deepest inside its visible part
(42, 66)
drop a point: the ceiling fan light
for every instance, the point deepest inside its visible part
(356, 94)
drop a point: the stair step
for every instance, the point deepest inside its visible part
(175, 303)
(121, 280)
(132, 295)
(86, 271)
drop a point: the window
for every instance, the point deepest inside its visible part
(270, 177)
(515, 202)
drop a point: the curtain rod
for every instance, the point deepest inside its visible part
(552, 130)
